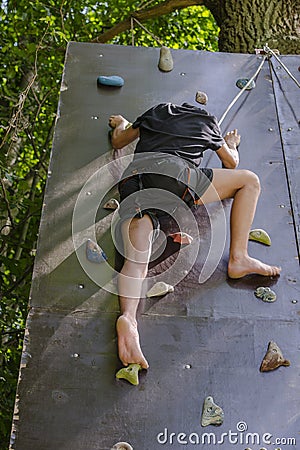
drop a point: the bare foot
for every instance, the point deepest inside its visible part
(246, 266)
(129, 343)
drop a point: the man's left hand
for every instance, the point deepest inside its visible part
(232, 139)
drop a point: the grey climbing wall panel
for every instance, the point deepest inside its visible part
(202, 339)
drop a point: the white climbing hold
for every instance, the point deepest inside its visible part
(111, 204)
(165, 59)
(122, 446)
(160, 288)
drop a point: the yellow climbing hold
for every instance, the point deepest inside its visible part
(130, 373)
(260, 235)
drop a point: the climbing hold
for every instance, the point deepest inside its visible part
(212, 414)
(160, 288)
(266, 294)
(181, 238)
(165, 62)
(241, 83)
(201, 97)
(112, 80)
(111, 204)
(130, 373)
(122, 446)
(273, 358)
(260, 235)
(94, 253)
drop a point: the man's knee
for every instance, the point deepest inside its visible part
(136, 234)
(251, 180)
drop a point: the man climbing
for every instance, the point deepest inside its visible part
(172, 141)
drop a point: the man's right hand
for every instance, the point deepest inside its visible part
(115, 121)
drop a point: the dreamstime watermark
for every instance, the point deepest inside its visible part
(240, 436)
(86, 226)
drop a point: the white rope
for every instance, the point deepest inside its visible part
(242, 90)
(268, 50)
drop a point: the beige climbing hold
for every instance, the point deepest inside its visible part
(111, 204)
(273, 358)
(130, 373)
(181, 238)
(201, 97)
(122, 446)
(260, 235)
(165, 59)
(160, 288)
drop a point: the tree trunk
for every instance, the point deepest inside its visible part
(249, 24)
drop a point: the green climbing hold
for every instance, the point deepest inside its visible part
(260, 235)
(265, 294)
(241, 83)
(212, 414)
(130, 373)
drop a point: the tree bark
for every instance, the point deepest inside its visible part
(245, 24)
(249, 24)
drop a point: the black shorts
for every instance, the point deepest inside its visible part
(177, 180)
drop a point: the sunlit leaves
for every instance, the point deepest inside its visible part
(33, 41)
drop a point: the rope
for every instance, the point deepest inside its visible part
(237, 97)
(268, 51)
(132, 31)
(242, 90)
(147, 31)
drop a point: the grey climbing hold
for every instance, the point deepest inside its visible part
(273, 358)
(160, 288)
(111, 204)
(212, 414)
(111, 80)
(260, 235)
(265, 294)
(241, 83)
(165, 62)
(94, 253)
(122, 446)
(201, 97)
(130, 373)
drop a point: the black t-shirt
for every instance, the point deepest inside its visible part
(186, 131)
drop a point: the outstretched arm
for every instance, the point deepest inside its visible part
(228, 153)
(123, 134)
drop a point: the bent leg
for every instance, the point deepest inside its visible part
(244, 187)
(136, 235)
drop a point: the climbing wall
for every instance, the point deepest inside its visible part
(207, 338)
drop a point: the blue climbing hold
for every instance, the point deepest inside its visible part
(112, 80)
(94, 253)
(241, 83)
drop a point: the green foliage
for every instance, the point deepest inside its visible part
(34, 35)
